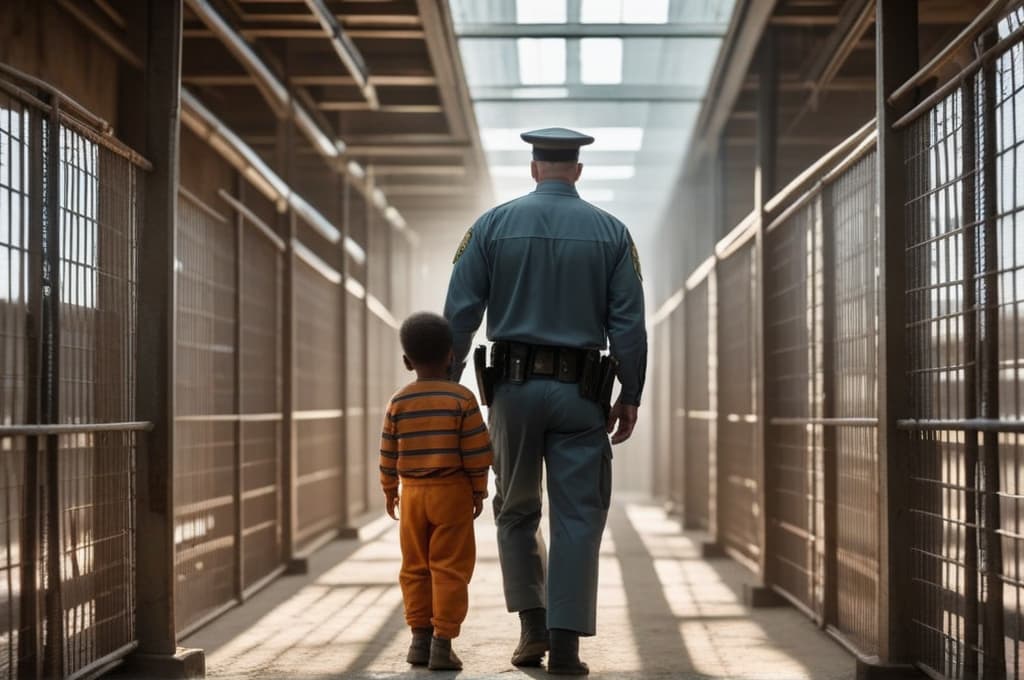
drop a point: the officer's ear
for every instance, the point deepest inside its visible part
(579, 171)
(534, 171)
(408, 364)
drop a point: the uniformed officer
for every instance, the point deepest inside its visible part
(560, 279)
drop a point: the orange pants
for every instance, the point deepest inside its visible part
(438, 551)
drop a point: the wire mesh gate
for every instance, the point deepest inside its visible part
(821, 343)
(964, 291)
(70, 206)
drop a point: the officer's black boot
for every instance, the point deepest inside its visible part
(442, 656)
(533, 637)
(564, 658)
(419, 648)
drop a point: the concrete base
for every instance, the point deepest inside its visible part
(709, 550)
(762, 597)
(297, 566)
(873, 669)
(184, 663)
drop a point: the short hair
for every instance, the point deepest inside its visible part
(426, 338)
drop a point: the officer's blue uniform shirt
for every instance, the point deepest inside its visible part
(552, 269)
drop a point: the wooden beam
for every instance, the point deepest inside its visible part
(383, 108)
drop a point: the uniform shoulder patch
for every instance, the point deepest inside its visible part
(635, 254)
(462, 246)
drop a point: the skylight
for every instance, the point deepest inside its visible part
(601, 61)
(624, 11)
(540, 11)
(607, 139)
(541, 61)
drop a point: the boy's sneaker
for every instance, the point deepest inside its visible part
(442, 657)
(419, 648)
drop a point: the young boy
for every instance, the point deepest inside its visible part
(435, 445)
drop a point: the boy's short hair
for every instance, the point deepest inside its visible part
(426, 338)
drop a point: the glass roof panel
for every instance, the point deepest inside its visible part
(539, 63)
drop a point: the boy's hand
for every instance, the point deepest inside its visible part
(391, 503)
(478, 505)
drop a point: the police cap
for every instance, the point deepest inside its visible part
(556, 144)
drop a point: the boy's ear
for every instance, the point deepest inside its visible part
(408, 364)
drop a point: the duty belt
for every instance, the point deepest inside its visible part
(518, 362)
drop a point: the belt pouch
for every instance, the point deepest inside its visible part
(518, 360)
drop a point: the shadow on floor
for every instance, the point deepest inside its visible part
(664, 613)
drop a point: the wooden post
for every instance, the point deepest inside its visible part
(896, 59)
(158, 654)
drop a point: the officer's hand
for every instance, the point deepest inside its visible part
(391, 504)
(625, 415)
(478, 506)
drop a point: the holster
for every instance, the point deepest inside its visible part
(486, 376)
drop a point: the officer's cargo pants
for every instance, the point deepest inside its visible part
(438, 551)
(546, 423)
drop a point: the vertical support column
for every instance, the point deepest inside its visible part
(30, 639)
(764, 187)
(830, 473)
(369, 479)
(239, 574)
(896, 59)
(158, 654)
(342, 212)
(991, 565)
(49, 386)
(969, 220)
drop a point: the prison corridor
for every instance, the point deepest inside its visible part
(665, 612)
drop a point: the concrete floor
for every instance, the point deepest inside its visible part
(664, 613)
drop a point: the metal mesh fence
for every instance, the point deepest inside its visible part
(676, 411)
(661, 383)
(700, 403)
(794, 306)
(356, 421)
(17, 626)
(205, 421)
(261, 406)
(852, 223)
(70, 205)
(738, 449)
(319, 399)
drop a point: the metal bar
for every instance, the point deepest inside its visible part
(987, 57)
(598, 93)
(862, 149)
(155, 371)
(830, 449)
(737, 238)
(814, 172)
(951, 424)
(896, 59)
(49, 371)
(30, 640)
(346, 50)
(980, 23)
(570, 30)
(84, 428)
(968, 220)
(239, 452)
(765, 173)
(315, 262)
(276, 93)
(289, 471)
(991, 562)
(343, 212)
(252, 218)
(828, 422)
